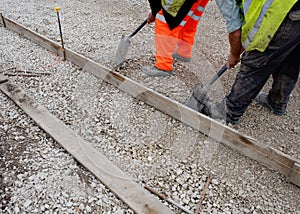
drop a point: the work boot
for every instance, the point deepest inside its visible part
(218, 111)
(262, 99)
(155, 72)
(214, 110)
(232, 119)
(181, 58)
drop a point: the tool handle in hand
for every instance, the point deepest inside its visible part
(139, 28)
(162, 196)
(220, 72)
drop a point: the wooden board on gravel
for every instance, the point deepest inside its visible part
(266, 155)
(136, 197)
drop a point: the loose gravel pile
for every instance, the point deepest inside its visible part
(38, 176)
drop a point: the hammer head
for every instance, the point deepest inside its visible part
(199, 97)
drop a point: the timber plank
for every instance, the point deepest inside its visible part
(294, 177)
(136, 197)
(27, 33)
(245, 145)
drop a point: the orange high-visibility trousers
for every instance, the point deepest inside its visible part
(182, 36)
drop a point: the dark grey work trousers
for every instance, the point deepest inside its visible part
(281, 60)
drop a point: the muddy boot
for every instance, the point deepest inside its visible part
(199, 98)
(262, 99)
(215, 110)
(218, 111)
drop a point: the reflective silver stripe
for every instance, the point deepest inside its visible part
(258, 22)
(182, 23)
(201, 9)
(160, 17)
(190, 13)
(168, 4)
(193, 16)
(246, 6)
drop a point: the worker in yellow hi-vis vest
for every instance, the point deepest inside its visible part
(269, 31)
(175, 27)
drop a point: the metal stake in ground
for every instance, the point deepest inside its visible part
(57, 9)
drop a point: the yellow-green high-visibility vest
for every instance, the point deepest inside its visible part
(172, 6)
(262, 19)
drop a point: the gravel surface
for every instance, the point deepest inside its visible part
(38, 176)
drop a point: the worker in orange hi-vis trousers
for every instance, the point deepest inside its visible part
(175, 26)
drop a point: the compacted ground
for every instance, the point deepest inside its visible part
(38, 176)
